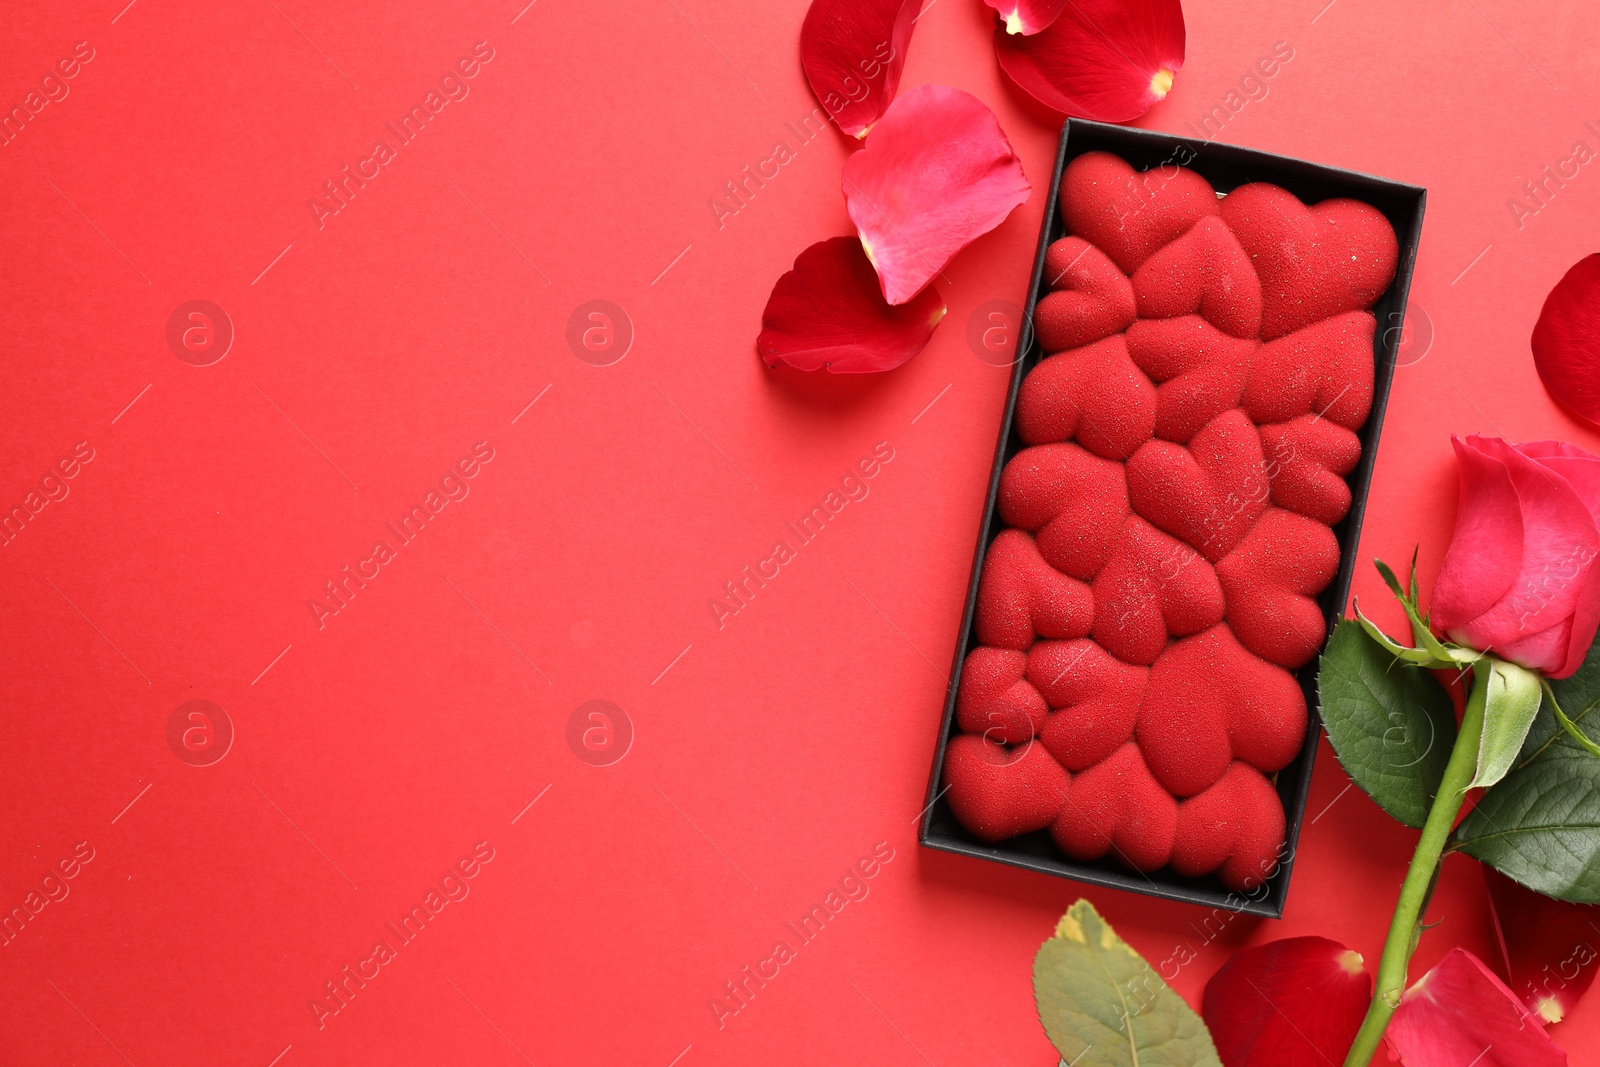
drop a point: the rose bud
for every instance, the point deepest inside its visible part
(1520, 578)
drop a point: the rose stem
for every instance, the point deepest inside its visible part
(1404, 930)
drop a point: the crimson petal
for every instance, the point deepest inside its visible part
(1109, 60)
(1460, 1013)
(1548, 945)
(1026, 16)
(1287, 1003)
(828, 313)
(852, 52)
(1566, 339)
(936, 174)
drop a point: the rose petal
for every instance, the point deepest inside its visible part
(828, 313)
(1460, 1013)
(1548, 945)
(1555, 524)
(852, 52)
(1110, 60)
(1544, 618)
(1485, 553)
(1581, 469)
(1026, 16)
(1287, 1003)
(937, 173)
(1566, 339)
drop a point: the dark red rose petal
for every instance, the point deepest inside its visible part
(937, 173)
(1460, 1013)
(1026, 16)
(1548, 945)
(1291, 1003)
(1110, 60)
(828, 313)
(1566, 339)
(852, 52)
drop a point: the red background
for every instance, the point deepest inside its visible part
(768, 755)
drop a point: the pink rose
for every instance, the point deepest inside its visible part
(1520, 578)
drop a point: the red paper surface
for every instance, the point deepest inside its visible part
(768, 751)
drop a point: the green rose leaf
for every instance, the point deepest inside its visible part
(1391, 724)
(1541, 824)
(1103, 1006)
(1510, 706)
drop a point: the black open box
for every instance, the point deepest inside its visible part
(1225, 167)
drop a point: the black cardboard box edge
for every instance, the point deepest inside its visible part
(1226, 167)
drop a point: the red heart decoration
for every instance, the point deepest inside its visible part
(1096, 696)
(997, 792)
(1208, 494)
(1203, 271)
(1073, 501)
(1234, 828)
(1152, 586)
(1117, 806)
(1092, 394)
(1092, 299)
(1021, 597)
(1307, 459)
(1210, 702)
(1201, 371)
(995, 700)
(1128, 214)
(1271, 581)
(1313, 262)
(1324, 370)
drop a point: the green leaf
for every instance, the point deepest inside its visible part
(1416, 656)
(1103, 1006)
(1541, 824)
(1391, 725)
(1391, 581)
(1509, 708)
(1573, 730)
(1419, 626)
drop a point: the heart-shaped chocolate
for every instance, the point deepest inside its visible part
(1152, 587)
(1117, 806)
(1313, 262)
(995, 700)
(1324, 370)
(1207, 494)
(1234, 828)
(1096, 697)
(1209, 702)
(1128, 214)
(1021, 597)
(1271, 581)
(1307, 459)
(1206, 272)
(1201, 371)
(998, 792)
(1091, 298)
(1094, 395)
(1074, 502)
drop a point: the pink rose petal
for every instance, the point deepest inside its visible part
(1521, 577)
(1566, 339)
(852, 52)
(1459, 1013)
(1026, 16)
(1110, 60)
(1287, 1003)
(1549, 945)
(936, 174)
(827, 313)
